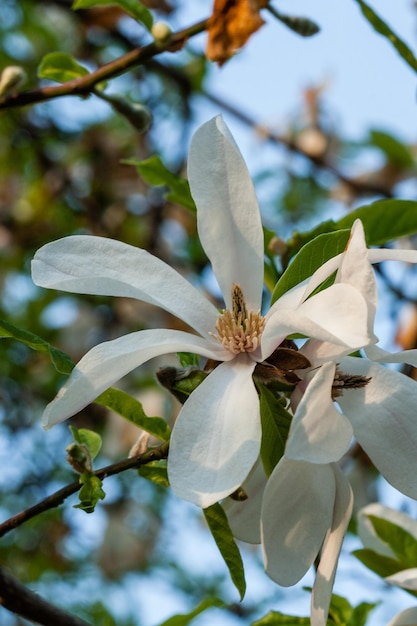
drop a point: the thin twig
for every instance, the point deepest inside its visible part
(20, 600)
(55, 499)
(84, 85)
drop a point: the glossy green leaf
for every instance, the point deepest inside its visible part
(396, 152)
(188, 359)
(60, 66)
(154, 172)
(132, 410)
(60, 360)
(90, 493)
(88, 438)
(219, 527)
(135, 8)
(275, 618)
(276, 422)
(186, 618)
(156, 472)
(401, 542)
(309, 258)
(181, 383)
(383, 29)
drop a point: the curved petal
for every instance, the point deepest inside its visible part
(100, 266)
(319, 352)
(297, 512)
(383, 418)
(408, 617)
(110, 361)
(338, 315)
(406, 579)
(356, 270)
(377, 255)
(245, 516)
(216, 438)
(319, 433)
(367, 532)
(375, 353)
(228, 219)
(326, 571)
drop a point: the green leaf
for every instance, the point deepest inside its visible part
(378, 563)
(396, 152)
(340, 610)
(401, 542)
(360, 613)
(274, 618)
(88, 438)
(154, 172)
(61, 67)
(132, 410)
(181, 383)
(90, 493)
(188, 359)
(135, 8)
(156, 472)
(309, 258)
(186, 618)
(60, 360)
(219, 527)
(384, 220)
(276, 421)
(383, 29)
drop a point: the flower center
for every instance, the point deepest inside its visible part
(238, 330)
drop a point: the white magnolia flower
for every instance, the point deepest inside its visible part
(408, 617)
(307, 501)
(216, 438)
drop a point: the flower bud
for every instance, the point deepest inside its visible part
(11, 77)
(161, 33)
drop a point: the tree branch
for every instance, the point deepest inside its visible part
(55, 499)
(84, 85)
(18, 599)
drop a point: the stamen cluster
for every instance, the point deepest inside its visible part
(237, 330)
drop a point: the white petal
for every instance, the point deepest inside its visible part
(367, 532)
(356, 270)
(378, 255)
(319, 352)
(228, 219)
(100, 266)
(375, 353)
(216, 438)
(245, 516)
(297, 512)
(408, 617)
(110, 361)
(406, 579)
(319, 433)
(338, 315)
(383, 416)
(326, 571)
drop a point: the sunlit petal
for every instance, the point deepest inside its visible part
(383, 416)
(338, 315)
(326, 571)
(216, 438)
(228, 218)
(297, 512)
(100, 266)
(319, 432)
(375, 353)
(108, 362)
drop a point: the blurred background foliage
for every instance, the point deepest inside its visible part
(62, 172)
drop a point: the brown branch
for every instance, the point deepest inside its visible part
(55, 499)
(20, 600)
(318, 161)
(84, 85)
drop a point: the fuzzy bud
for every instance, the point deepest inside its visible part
(11, 77)
(161, 33)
